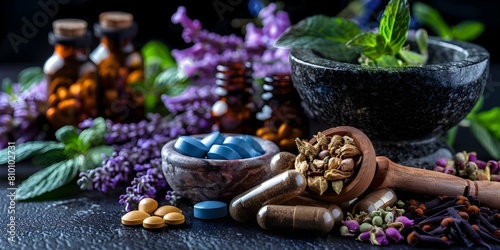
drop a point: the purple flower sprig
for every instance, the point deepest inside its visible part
(210, 49)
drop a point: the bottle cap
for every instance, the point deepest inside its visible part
(115, 20)
(70, 27)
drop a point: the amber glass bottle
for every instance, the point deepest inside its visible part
(235, 110)
(71, 75)
(121, 68)
(282, 114)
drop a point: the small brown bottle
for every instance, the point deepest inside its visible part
(235, 110)
(282, 114)
(71, 75)
(121, 67)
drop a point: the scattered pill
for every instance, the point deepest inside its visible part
(163, 210)
(190, 146)
(222, 152)
(213, 138)
(210, 210)
(153, 222)
(134, 218)
(295, 218)
(148, 205)
(277, 190)
(174, 218)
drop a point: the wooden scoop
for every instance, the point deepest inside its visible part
(378, 172)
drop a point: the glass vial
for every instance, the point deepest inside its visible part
(235, 110)
(281, 114)
(71, 75)
(121, 67)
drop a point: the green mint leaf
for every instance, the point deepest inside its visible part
(7, 86)
(394, 25)
(370, 44)
(388, 61)
(67, 134)
(324, 34)
(50, 157)
(172, 81)
(490, 120)
(490, 144)
(451, 135)
(47, 179)
(411, 58)
(93, 136)
(467, 30)
(431, 18)
(422, 39)
(28, 149)
(29, 76)
(94, 156)
(156, 52)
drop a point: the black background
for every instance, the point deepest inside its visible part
(153, 18)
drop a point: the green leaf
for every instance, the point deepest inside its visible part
(371, 44)
(7, 86)
(467, 30)
(172, 81)
(47, 179)
(94, 156)
(394, 24)
(28, 149)
(431, 18)
(451, 135)
(324, 34)
(422, 39)
(67, 134)
(29, 76)
(93, 136)
(50, 157)
(490, 144)
(411, 58)
(155, 52)
(388, 61)
(490, 120)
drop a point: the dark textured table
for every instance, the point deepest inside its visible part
(91, 220)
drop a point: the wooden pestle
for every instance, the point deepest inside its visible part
(429, 182)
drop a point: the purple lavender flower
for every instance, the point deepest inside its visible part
(393, 234)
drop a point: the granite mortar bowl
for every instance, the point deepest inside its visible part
(394, 103)
(200, 179)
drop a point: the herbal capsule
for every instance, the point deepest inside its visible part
(276, 190)
(295, 218)
(376, 199)
(338, 214)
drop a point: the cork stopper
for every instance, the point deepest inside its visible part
(70, 27)
(115, 20)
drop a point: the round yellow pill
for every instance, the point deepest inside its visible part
(163, 210)
(153, 222)
(174, 218)
(134, 218)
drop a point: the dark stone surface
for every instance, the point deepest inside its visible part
(399, 105)
(92, 221)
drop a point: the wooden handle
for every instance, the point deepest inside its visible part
(429, 182)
